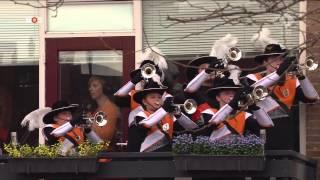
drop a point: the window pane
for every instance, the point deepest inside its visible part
(108, 17)
(90, 78)
(76, 67)
(19, 95)
(19, 59)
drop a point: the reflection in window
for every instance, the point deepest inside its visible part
(90, 79)
(19, 95)
(76, 67)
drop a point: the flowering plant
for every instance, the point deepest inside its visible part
(91, 149)
(25, 150)
(229, 145)
(84, 149)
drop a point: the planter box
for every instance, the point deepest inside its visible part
(57, 165)
(219, 163)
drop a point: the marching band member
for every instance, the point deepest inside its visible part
(276, 65)
(292, 87)
(227, 119)
(202, 78)
(153, 127)
(60, 127)
(286, 89)
(151, 56)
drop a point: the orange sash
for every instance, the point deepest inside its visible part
(237, 123)
(166, 123)
(285, 93)
(76, 134)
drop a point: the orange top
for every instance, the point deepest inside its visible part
(236, 122)
(133, 103)
(112, 112)
(286, 92)
(166, 123)
(196, 116)
(76, 134)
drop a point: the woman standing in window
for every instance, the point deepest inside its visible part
(101, 102)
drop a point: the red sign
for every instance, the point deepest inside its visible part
(34, 20)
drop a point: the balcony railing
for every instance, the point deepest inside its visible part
(288, 164)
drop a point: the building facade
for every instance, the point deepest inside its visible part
(48, 52)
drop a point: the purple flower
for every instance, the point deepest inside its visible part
(229, 145)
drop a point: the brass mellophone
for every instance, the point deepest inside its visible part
(148, 70)
(259, 93)
(234, 54)
(310, 64)
(99, 118)
(189, 106)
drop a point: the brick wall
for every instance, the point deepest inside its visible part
(313, 111)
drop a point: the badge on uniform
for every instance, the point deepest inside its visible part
(285, 92)
(165, 127)
(78, 138)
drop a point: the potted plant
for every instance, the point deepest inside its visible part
(232, 153)
(47, 159)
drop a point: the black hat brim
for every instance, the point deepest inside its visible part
(259, 58)
(138, 96)
(213, 92)
(48, 118)
(192, 72)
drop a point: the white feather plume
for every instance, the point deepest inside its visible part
(221, 47)
(234, 73)
(262, 39)
(156, 78)
(154, 54)
(34, 119)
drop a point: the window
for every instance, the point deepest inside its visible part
(19, 59)
(76, 67)
(92, 16)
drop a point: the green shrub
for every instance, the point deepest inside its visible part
(84, 149)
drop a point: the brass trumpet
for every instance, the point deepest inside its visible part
(189, 106)
(148, 71)
(99, 118)
(259, 93)
(310, 64)
(234, 54)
